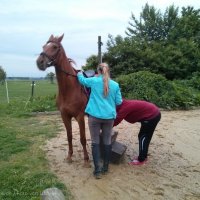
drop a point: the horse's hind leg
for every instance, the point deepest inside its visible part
(68, 125)
(81, 122)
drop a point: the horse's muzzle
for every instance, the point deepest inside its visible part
(41, 63)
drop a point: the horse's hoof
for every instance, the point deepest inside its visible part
(86, 164)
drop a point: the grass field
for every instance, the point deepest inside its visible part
(22, 89)
(24, 172)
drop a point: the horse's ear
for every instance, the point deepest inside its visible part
(60, 38)
(51, 38)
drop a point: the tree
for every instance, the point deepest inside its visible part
(91, 63)
(152, 26)
(50, 76)
(187, 26)
(166, 44)
(124, 55)
(2, 75)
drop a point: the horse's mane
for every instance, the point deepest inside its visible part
(71, 61)
(73, 64)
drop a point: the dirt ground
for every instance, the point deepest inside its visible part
(172, 171)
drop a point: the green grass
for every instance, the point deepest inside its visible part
(20, 101)
(24, 171)
(22, 89)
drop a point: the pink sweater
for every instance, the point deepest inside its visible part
(135, 111)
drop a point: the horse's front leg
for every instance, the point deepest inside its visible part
(81, 122)
(68, 125)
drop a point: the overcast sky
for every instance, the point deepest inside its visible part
(25, 25)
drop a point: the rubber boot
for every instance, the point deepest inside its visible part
(106, 158)
(96, 159)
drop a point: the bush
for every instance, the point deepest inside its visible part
(157, 89)
(41, 104)
(185, 97)
(194, 81)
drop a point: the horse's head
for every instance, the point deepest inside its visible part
(50, 52)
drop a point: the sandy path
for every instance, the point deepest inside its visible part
(172, 172)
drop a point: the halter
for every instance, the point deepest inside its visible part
(53, 58)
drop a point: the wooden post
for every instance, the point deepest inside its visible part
(99, 50)
(32, 89)
(7, 91)
(52, 194)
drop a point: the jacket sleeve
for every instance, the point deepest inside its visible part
(84, 81)
(120, 116)
(118, 97)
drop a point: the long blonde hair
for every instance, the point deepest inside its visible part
(104, 70)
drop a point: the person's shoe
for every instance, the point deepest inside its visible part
(104, 171)
(137, 162)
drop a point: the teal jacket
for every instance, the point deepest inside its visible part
(99, 106)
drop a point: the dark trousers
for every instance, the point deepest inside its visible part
(146, 132)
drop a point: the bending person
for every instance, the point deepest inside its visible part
(101, 109)
(140, 111)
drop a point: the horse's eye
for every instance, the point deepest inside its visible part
(55, 47)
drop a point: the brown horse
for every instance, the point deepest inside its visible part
(71, 98)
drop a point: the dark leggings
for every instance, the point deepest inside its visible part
(145, 135)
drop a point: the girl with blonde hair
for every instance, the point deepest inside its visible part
(101, 109)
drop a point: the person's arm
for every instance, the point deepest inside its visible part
(118, 97)
(121, 114)
(117, 120)
(83, 80)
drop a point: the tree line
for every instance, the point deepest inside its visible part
(3, 76)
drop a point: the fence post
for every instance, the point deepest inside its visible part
(7, 91)
(32, 89)
(99, 50)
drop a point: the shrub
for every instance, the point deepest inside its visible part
(195, 81)
(157, 89)
(41, 104)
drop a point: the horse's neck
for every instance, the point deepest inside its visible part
(66, 82)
